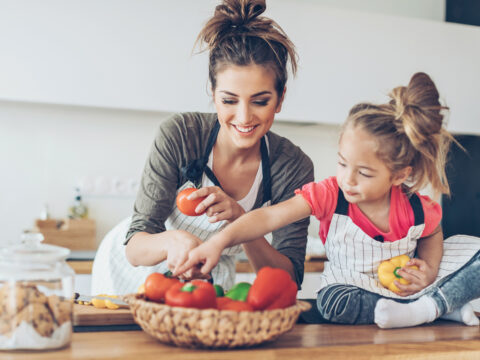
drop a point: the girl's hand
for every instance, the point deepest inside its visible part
(179, 245)
(218, 205)
(205, 257)
(419, 279)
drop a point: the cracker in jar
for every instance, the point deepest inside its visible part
(61, 309)
(38, 316)
(5, 327)
(19, 296)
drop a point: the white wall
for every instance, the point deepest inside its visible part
(46, 149)
(135, 54)
(423, 9)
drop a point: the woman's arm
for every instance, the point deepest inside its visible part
(248, 227)
(148, 243)
(260, 253)
(291, 169)
(150, 249)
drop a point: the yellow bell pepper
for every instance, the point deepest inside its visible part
(387, 272)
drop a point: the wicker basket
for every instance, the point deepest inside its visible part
(212, 328)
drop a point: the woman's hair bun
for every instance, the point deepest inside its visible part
(240, 12)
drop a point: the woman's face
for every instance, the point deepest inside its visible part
(246, 103)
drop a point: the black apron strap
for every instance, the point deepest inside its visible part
(417, 209)
(267, 180)
(194, 170)
(342, 204)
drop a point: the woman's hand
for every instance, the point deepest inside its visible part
(179, 245)
(204, 257)
(217, 205)
(419, 279)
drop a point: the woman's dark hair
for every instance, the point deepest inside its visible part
(238, 35)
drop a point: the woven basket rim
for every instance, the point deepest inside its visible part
(202, 328)
(136, 297)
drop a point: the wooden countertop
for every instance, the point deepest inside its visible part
(311, 265)
(440, 340)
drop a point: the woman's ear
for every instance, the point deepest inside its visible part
(280, 101)
(402, 175)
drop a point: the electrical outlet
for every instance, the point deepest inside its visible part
(107, 186)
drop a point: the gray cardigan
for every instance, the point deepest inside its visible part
(183, 138)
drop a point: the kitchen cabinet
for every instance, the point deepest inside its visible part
(137, 55)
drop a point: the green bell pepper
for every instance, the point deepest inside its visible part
(219, 290)
(239, 291)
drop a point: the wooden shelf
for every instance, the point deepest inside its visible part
(75, 234)
(81, 266)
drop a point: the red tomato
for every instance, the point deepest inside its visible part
(156, 285)
(188, 206)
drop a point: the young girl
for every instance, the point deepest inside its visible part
(371, 211)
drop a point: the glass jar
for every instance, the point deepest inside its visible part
(36, 295)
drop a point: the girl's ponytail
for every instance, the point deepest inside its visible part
(417, 113)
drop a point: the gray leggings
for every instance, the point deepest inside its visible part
(349, 304)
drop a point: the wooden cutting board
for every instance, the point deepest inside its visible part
(87, 315)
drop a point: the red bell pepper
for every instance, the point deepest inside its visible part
(272, 289)
(194, 294)
(225, 303)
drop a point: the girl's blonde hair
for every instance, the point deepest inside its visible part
(238, 34)
(409, 132)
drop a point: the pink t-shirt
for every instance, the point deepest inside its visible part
(322, 198)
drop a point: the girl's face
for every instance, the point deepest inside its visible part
(364, 178)
(246, 103)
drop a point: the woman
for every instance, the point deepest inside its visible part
(231, 155)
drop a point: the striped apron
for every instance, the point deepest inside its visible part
(113, 274)
(354, 257)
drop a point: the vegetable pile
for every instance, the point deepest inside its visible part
(272, 289)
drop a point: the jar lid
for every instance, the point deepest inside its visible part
(33, 251)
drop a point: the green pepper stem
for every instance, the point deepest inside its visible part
(188, 288)
(395, 272)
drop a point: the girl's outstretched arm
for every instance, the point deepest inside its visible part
(248, 227)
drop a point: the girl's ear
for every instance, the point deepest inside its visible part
(402, 175)
(280, 101)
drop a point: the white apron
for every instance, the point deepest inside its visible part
(354, 257)
(113, 274)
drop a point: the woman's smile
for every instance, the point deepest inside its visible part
(245, 130)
